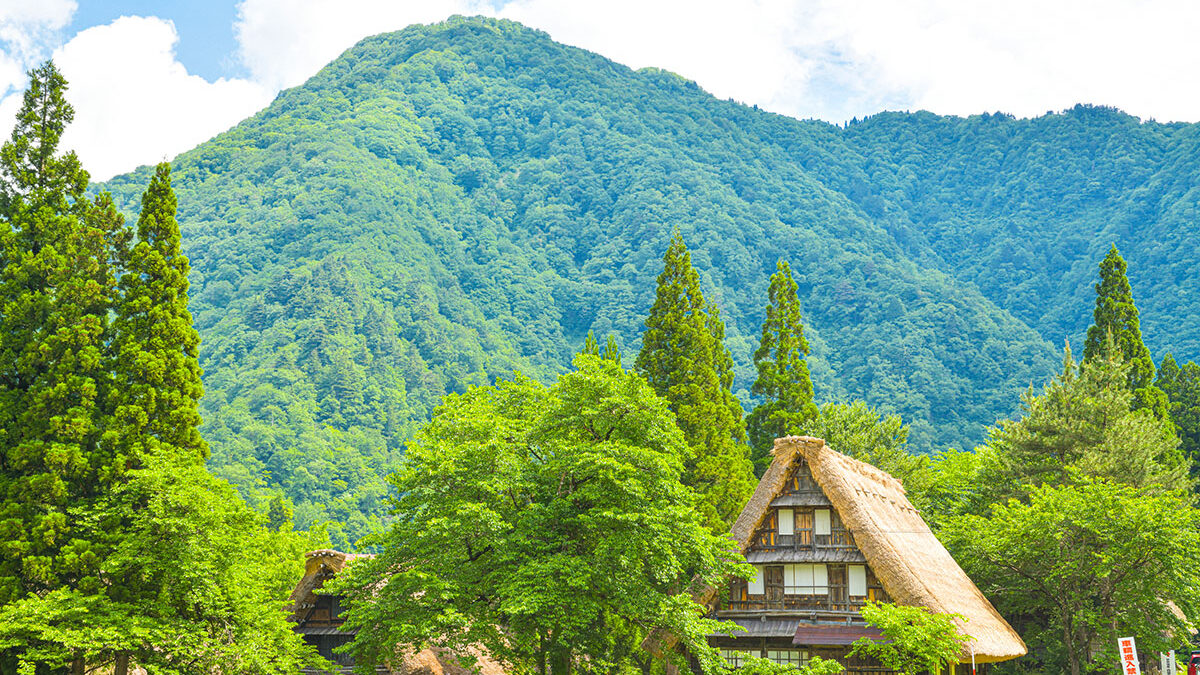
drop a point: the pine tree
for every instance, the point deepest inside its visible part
(611, 351)
(1181, 384)
(685, 361)
(590, 346)
(118, 545)
(783, 378)
(1116, 315)
(56, 286)
(156, 347)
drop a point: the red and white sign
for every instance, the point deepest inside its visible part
(1129, 661)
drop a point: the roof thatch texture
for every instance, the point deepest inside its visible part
(913, 566)
(325, 564)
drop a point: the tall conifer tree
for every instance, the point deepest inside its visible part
(116, 544)
(1116, 315)
(56, 286)
(685, 361)
(155, 345)
(783, 378)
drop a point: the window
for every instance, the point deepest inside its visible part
(858, 579)
(734, 658)
(787, 522)
(822, 521)
(755, 585)
(788, 657)
(805, 579)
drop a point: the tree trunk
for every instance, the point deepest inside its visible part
(77, 666)
(1069, 643)
(122, 665)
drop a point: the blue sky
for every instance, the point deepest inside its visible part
(151, 79)
(206, 46)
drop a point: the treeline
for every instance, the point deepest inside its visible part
(118, 549)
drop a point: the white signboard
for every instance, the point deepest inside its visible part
(1168, 662)
(1128, 653)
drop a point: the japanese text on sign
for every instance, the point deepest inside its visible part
(1129, 662)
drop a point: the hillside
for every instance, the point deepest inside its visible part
(450, 203)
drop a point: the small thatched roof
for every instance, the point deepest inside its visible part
(913, 566)
(325, 564)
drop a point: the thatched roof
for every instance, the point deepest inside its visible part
(913, 566)
(325, 564)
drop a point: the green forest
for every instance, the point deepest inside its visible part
(450, 203)
(371, 317)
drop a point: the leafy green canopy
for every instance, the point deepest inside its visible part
(1084, 422)
(119, 547)
(683, 358)
(783, 381)
(547, 525)
(916, 640)
(1076, 520)
(1078, 565)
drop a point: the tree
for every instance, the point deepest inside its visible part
(611, 351)
(56, 287)
(531, 521)
(1116, 316)
(685, 361)
(154, 343)
(1080, 564)
(118, 545)
(916, 639)
(862, 432)
(194, 584)
(783, 379)
(1182, 387)
(1084, 424)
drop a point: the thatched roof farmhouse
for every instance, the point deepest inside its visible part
(826, 533)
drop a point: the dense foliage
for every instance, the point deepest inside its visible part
(119, 549)
(783, 379)
(1076, 520)
(684, 360)
(456, 201)
(548, 525)
(915, 640)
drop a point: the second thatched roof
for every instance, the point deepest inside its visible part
(913, 566)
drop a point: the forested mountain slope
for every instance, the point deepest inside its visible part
(445, 204)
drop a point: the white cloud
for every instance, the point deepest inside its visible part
(28, 31)
(284, 42)
(831, 59)
(135, 103)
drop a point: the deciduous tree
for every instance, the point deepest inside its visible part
(1080, 564)
(533, 520)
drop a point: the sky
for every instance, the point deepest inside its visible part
(152, 78)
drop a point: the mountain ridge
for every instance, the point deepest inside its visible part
(450, 203)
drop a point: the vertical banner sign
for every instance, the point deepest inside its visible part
(1129, 662)
(1168, 662)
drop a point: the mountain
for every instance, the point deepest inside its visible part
(450, 203)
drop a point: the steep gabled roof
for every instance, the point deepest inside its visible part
(913, 566)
